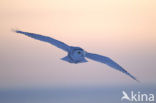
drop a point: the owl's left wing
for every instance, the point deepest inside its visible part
(109, 62)
(47, 39)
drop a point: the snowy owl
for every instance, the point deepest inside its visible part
(76, 54)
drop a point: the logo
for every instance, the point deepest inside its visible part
(137, 96)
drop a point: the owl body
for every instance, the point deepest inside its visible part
(75, 55)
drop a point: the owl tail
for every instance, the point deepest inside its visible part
(66, 58)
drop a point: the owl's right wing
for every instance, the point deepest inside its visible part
(50, 40)
(109, 62)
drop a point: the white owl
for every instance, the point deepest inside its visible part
(76, 54)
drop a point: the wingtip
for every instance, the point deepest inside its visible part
(136, 79)
(15, 30)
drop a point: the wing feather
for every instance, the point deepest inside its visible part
(50, 40)
(109, 62)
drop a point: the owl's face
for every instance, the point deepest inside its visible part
(77, 54)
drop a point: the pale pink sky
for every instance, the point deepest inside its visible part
(121, 29)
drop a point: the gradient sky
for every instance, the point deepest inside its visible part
(124, 30)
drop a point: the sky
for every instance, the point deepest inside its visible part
(123, 30)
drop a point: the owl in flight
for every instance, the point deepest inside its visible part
(76, 54)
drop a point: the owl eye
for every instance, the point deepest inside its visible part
(79, 52)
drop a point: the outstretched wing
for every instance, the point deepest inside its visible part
(109, 62)
(52, 41)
